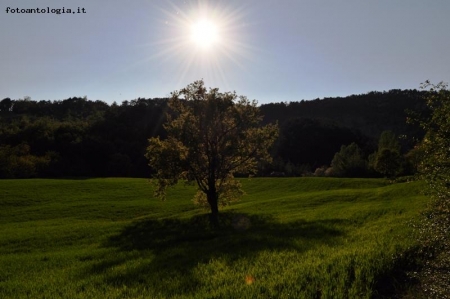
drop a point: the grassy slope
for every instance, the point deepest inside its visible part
(109, 238)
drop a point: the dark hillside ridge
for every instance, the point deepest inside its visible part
(370, 113)
(80, 137)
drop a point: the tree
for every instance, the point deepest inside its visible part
(18, 162)
(435, 164)
(388, 140)
(211, 137)
(433, 154)
(349, 161)
(387, 160)
(6, 105)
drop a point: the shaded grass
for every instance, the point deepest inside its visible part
(179, 246)
(287, 238)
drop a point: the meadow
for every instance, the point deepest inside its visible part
(286, 238)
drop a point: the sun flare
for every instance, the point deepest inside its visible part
(204, 34)
(203, 40)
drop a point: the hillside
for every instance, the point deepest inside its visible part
(79, 137)
(369, 113)
(287, 238)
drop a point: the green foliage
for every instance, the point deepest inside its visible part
(434, 168)
(388, 162)
(435, 164)
(388, 140)
(349, 162)
(413, 159)
(231, 192)
(86, 138)
(92, 138)
(211, 137)
(18, 162)
(436, 143)
(301, 238)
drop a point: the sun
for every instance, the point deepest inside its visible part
(204, 34)
(202, 39)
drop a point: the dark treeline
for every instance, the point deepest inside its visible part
(77, 137)
(80, 137)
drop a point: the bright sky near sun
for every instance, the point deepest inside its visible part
(268, 50)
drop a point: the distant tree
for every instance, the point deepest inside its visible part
(24, 105)
(211, 137)
(413, 159)
(349, 162)
(388, 140)
(6, 105)
(387, 160)
(18, 162)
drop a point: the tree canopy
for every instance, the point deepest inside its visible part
(432, 157)
(435, 164)
(349, 161)
(211, 136)
(388, 160)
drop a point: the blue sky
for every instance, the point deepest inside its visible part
(269, 50)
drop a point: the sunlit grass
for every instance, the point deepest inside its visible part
(109, 238)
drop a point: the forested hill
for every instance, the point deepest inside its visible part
(369, 113)
(80, 137)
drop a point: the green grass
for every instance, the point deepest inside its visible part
(109, 238)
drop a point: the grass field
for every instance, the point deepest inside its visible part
(287, 238)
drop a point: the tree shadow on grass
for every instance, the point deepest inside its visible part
(177, 246)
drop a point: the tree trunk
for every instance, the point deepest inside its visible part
(213, 203)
